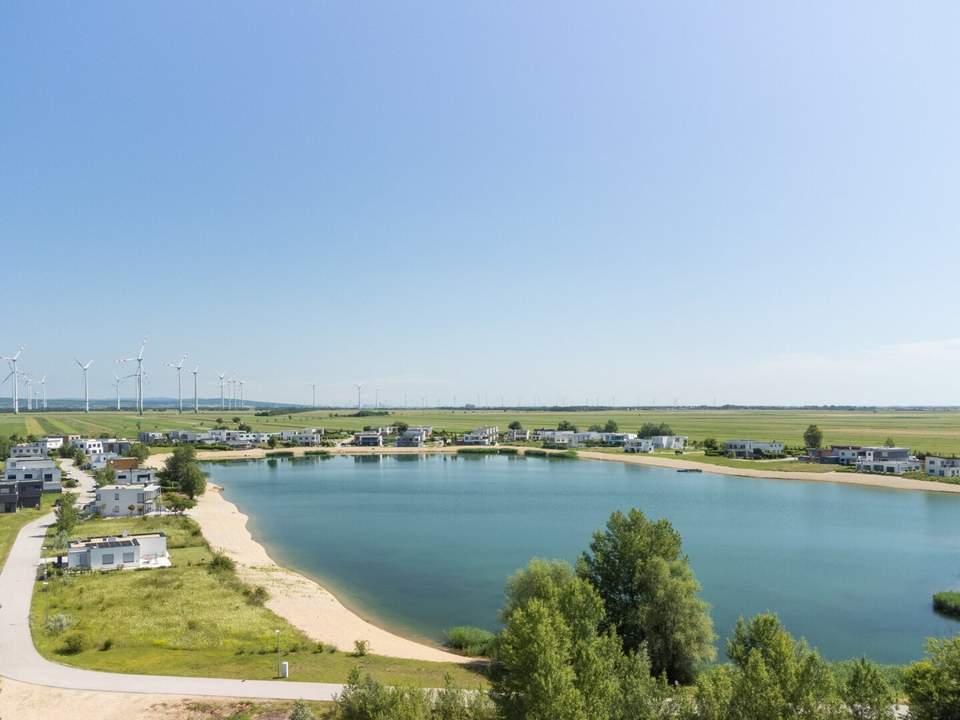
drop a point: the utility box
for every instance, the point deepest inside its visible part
(284, 669)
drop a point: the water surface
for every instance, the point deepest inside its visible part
(424, 543)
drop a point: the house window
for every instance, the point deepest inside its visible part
(107, 559)
(128, 557)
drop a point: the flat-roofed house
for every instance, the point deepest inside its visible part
(412, 437)
(482, 436)
(638, 445)
(942, 466)
(117, 500)
(669, 442)
(886, 460)
(16, 494)
(368, 438)
(89, 446)
(518, 435)
(135, 476)
(32, 469)
(147, 550)
(752, 448)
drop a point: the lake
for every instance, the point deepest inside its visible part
(423, 543)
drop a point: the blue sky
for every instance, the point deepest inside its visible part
(743, 202)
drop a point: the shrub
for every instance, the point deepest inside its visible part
(222, 563)
(300, 711)
(947, 603)
(256, 595)
(361, 648)
(73, 644)
(106, 645)
(57, 624)
(470, 640)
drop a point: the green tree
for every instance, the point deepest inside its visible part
(933, 684)
(181, 471)
(67, 514)
(193, 482)
(178, 502)
(650, 593)
(653, 429)
(272, 441)
(867, 693)
(139, 451)
(611, 426)
(401, 427)
(104, 476)
(515, 425)
(565, 425)
(711, 444)
(889, 442)
(812, 437)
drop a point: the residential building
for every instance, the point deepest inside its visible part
(135, 476)
(70, 439)
(16, 494)
(152, 438)
(89, 446)
(557, 438)
(519, 435)
(886, 460)
(191, 437)
(482, 436)
(147, 550)
(425, 430)
(942, 466)
(116, 446)
(616, 438)
(123, 463)
(413, 437)
(368, 438)
(752, 448)
(52, 442)
(116, 500)
(26, 470)
(308, 437)
(669, 442)
(98, 461)
(638, 445)
(29, 450)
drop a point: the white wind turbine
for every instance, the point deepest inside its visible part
(138, 375)
(116, 382)
(179, 367)
(314, 386)
(229, 393)
(241, 393)
(359, 387)
(16, 378)
(222, 375)
(43, 390)
(86, 396)
(28, 385)
(196, 398)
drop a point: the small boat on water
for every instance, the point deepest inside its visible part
(689, 470)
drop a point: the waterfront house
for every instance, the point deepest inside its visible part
(752, 448)
(482, 436)
(616, 439)
(518, 435)
(638, 445)
(886, 460)
(560, 439)
(152, 438)
(412, 437)
(308, 437)
(368, 438)
(146, 550)
(669, 442)
(942, 466)
(117, 500)
(135, 476)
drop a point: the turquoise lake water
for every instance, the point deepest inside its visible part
(420, 544)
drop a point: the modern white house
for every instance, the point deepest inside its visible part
(147, 550)
(638, 445)
(616, 438)
(27, 469)
(152, 438)
(117, 500)
(98, 461)
(413, 437)
(368, 438)
(886, 460)
(308, 437)
(53, 442)
(137, 476)
(558, 438)
(89, 446)
(669, 442)
(36, 449)
(752, 448)
(942, 466)
(482, 436)
(191, 437)
(519, 435)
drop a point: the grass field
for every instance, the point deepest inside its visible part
(923, 431)
(10, 523)
(189, 620)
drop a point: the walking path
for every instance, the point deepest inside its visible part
(19, 659)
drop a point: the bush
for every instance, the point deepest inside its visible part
(73, 644)
(361, 648)
(222, 563)
(300, 711)
(57, 624)
(106, 645)
(257, 595)
(947, 603)
(470, 640)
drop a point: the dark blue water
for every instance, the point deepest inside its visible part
(422, 544)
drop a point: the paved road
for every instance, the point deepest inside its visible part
(19, 659)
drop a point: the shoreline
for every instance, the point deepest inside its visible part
(322, 616)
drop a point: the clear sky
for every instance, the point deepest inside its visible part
(697, 201)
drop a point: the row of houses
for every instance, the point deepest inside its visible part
(28, 473)
(377, 437)
(240, 439)
(884, 460)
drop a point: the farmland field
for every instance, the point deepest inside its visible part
(924, 431)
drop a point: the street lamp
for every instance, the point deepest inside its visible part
(278, 652)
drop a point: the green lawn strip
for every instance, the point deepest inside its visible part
(11, 523)
(181, 532)
(188, 620)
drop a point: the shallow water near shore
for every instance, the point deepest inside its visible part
(422, 543)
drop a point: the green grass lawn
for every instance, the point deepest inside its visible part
(181, 532)
(10, 523)
(188, 620)
(925, 431)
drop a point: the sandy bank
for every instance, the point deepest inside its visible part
(292, 596)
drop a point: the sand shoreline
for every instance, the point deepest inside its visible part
(316, 611)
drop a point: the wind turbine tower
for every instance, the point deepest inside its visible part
(196, 398)
(359, 387)
(86, 395)
(179, 368)
(43, 390)
(221, 390)
(139, 376)
(314, 387)
(116, 382)
(241, 393)
(16, 378)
